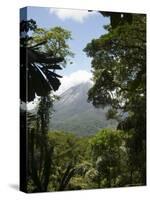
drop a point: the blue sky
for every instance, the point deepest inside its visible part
(84, 26)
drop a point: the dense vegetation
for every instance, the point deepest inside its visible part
(98, 161)
(59, 161)
(119, 75)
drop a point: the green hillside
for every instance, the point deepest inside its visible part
(74, 114)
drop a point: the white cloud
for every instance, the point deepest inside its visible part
(74, 79)
(76, 15)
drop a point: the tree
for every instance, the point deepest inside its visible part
(64, 159)
(108, 150)
(119, 64)
(68, 161)
(40, 152)
(119, 76)
(117, 18)
(40, 57)
(36, 65)
(54, 42)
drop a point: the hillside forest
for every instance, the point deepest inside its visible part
(110, 157)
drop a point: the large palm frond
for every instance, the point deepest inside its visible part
(37, 76)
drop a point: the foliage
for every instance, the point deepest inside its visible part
(39, 58)
(119, 65)
(39, 151)
(117, 18)
(41, 80)
(119, 75)
(54, 42)
(60, 161)
(101, 160)
(108, 153)
(68, 160)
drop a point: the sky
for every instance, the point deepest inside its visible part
(84, 26)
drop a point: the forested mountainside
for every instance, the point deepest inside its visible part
(73, 113)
